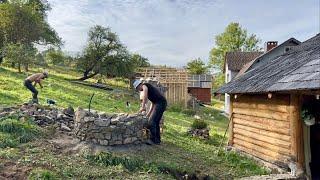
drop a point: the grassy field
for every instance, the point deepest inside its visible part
(178, 150)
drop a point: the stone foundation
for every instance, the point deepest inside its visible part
(109, 129)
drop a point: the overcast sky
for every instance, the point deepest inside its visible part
(172, 32)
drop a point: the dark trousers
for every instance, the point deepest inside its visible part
(155, 118)
(28, 85)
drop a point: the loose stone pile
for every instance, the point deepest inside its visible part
(109, 129)
(201, 133)
(99, 128)
(42, 115)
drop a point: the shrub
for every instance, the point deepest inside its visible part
(42, 174)
(199, 124)
(175, 107)
(6, 140)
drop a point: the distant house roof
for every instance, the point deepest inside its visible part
(256, 60)
(236, 60)
(298, 69)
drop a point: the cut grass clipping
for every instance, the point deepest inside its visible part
(13, 132)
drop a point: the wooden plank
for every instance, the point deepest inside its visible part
(262, 113)
(268, 126)
(263, 138)
(271, 147)
(260, 149)
(260, 155)
(265, 121)
(277, 99)
(261, 106)
(263, 132)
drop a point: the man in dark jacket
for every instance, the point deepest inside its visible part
(158, 106)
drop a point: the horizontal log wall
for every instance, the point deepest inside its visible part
(261, 126)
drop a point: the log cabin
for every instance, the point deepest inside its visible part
(275, 108)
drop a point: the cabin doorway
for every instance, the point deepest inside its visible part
(310, 114)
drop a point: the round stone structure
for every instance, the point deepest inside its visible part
(109, 129)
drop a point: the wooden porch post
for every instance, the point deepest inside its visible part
(296, 129)
(230, 140)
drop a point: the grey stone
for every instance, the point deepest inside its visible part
(104, 142)
(102, 122)
(88, 119)
(64, 127)
(115, 121)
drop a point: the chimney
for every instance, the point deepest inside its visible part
(269, 45)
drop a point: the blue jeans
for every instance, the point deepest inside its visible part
(28, 85)
(155, 118)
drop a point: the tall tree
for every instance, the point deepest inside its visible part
(20, 54)
(139, 61)
(102, 47)
(24, 22)
(234, 38)
(197, 66)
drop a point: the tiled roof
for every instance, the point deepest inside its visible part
(236, 60)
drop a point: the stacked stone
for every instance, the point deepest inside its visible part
(43, 115)
(201, 133)
(109, 129)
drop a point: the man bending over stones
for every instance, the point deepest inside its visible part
(36, 79)
(158, 106)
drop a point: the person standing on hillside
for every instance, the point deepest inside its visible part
(158, 106)
(36, 79)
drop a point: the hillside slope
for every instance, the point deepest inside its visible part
(178, 150)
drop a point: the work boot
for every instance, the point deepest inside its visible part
(35, 101)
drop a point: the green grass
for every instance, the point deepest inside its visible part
(178, 150)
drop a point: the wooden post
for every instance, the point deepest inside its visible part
(230, 140)
(296, 129)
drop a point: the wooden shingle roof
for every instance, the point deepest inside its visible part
(298, 69)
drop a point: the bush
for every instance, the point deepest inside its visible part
(42, 174)
(199, 124)
(6, 140)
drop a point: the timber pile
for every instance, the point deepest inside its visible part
(95, 85)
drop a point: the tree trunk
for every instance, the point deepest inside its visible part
(87, 76)
(19, 67)
(26, 67)
(13, 65)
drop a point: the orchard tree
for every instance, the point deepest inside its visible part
(139, 61)
(20, 54)
(102, 47)
(54, 57)
(24, 23)
(197, 66)
(234, 38)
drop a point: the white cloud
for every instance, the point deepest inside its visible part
(174, 31)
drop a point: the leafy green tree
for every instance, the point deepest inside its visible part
(139, 61)
(55, 57)
(102, 50)
(197, 66)
(20, 54)
(234, 38)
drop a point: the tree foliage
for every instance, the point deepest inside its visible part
(234, 38)
(197, 66)
(20, 54)
(55, 57)
(139, 61)
(106, 55)
(24, 23)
